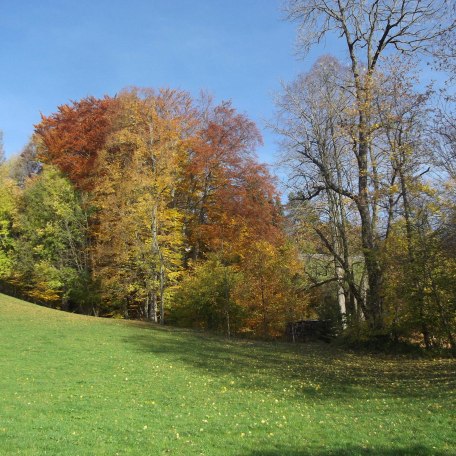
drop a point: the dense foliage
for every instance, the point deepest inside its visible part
(148, 205)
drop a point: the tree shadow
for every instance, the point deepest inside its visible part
(413, 450)
(317, 370)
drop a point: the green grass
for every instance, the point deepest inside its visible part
(75, 385)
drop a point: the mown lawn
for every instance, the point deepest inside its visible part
(75, 385)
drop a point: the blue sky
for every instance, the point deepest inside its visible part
(56, 50)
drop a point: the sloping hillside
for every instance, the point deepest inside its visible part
(75, 385)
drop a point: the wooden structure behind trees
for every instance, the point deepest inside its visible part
(309, 330)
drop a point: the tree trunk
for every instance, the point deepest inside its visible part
(341, 296)
(162, 292)
(374, 304)
(153, 307)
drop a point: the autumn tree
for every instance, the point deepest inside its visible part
(8, 194)
(51, 253)
(369, 30)
(420, 288)
(254, 296)
(229, 203)
(72, 137)
(139, 232)
(205, 297)
(269, 292)
(314, 112)
(224, 188)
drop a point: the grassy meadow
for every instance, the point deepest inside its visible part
(76, 385)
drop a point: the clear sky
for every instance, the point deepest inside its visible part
(52, 51)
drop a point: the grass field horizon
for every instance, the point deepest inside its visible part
(78, 385)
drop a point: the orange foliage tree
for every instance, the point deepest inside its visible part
(225, 189)
(72, 137)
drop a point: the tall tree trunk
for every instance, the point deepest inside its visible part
(374, 304)
(162, 291)
(159, 263)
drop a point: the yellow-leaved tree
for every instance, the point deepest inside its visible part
(139, 233)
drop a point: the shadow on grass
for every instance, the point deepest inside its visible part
(414, 450)
(314, 370)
